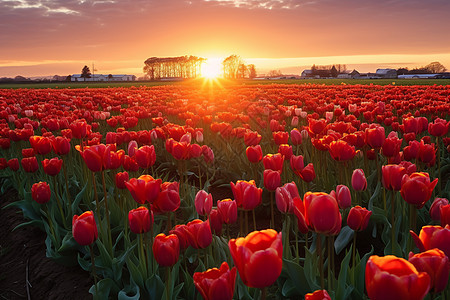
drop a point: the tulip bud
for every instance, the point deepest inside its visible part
(435, 209)
(40, 192)
(203, 203)
(359, 182)
(140, 220)
(343, 196)
(84, 229)
(166, 249)
(358, 218)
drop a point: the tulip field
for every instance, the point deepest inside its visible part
(241, 192)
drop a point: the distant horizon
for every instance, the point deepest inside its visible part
(288, 66)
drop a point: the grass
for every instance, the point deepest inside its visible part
(75, 85)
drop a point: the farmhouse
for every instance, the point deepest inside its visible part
(386, 73)
(102, 77)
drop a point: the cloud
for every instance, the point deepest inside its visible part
(263, 4)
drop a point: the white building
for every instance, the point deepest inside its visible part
(102, 77)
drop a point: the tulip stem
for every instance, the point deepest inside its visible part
(97, 204)
(169, 222)
(272, 220)
(199, 177)
(143, 258)
(392, 221)
(412, 220)
(319, 249)
(91, 250)
(107, 211)
(67, 188)
(263, 293)
(59, 203)
(329, 263)
(254, 220)
(50, 224)
(297, 257)
(438, 164)
(168, 284)
(353, 258)
(246, 222)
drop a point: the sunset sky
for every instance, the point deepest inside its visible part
(48, 37)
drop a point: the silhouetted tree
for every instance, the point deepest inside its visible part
(85, 72)
(251, 71)
(231, 66)
(242, 70)
(274, 73)
(435, 67)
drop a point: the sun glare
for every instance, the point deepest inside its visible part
(212, 68)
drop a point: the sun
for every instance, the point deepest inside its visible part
(211, 68)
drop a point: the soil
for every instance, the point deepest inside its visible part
(22, 257)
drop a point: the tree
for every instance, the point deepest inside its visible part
(274, 73)
(85, 72)
(242, 70)
(251, 71)
(231, 66)
(435, 67)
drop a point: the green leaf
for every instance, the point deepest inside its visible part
(297, 275)
(155, 286)
(343, 239)
(135, 273)
(37, 223)
(78, 198)
(344, 290)
(104, 288)
(360, 272)
(124, 294)
(374, 196)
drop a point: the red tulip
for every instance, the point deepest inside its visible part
(272, 179)
(185, 237)
(358, 218)
(280, 137)
(216, 222)
(436, 264)
(258, 257)
(359, 181)
(140, 220)
(94, 157)
(316, 127)
(145, 156)
(296, 163)
(341, 150)
(130, 164)
(392, 177)
(216, 284)
(28, 152)
(445, 215)
(208, 154)
(417, 188)
(390, 277)
(79, 129)
(284, 197)
(201, 233)
(61, 145)
(391, 145)
(144, 189)
(195, 150)
(273, 162)
(435, 209)
(168, 199)
(427, 153)
(285, 150)
(166, 249)
(13, 164)
(254, 153)
(307, 174)
(113, 159)
(30, 164)
(40, 144)
(120, 179)
(227, 209)
(433, 237)
(84, 229)
(40, 192)
(439, 127)
(52, 166)
(322, 213)
(203, 203)
(296, 137)
(246, 194)
(343, 196)
(132, 147)
(411, 151)
(318, 295)
(375, 136)
(252, 138)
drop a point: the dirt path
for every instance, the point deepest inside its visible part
(22, 256)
